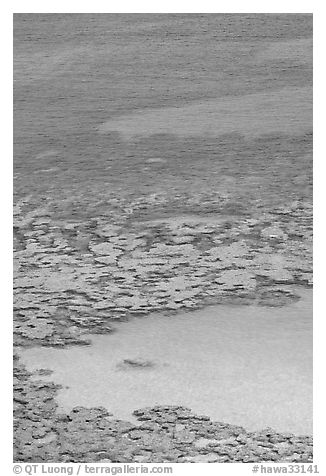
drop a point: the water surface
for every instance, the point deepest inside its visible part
(251, 115)
(203, 75)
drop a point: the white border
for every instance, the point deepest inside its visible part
(167, 6)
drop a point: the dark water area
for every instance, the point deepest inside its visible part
(74, 72)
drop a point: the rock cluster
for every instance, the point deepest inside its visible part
(72, 277)
(82, 264)
(165, 434)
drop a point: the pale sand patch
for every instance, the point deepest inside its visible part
(288, 111)
(184, 220)
(245, 365)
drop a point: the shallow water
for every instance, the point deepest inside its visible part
(245, 365)
(186, 74)
(252, 115)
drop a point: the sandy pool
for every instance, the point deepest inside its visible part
(246, 365)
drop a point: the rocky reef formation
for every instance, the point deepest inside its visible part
(115, 239)
(164, 434)
(79, 277)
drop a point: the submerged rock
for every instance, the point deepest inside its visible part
(128, 364)
(277, 298)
